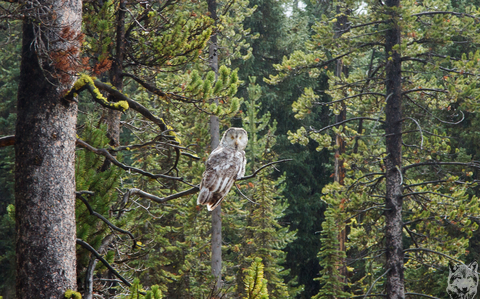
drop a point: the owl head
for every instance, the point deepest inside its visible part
(235, 138)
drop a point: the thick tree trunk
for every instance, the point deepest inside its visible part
(393, 162)
(45, 154)
(216, 262)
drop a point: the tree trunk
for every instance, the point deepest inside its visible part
(339, 177)
(215, 140)
(114, 116)
(45, 153)
(393, 162)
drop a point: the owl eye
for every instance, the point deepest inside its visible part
(232, 137)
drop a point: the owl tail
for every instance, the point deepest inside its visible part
(211, 199)
(214, 201)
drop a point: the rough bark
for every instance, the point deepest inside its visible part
(216, 261)
(45, 154)
(393, 162)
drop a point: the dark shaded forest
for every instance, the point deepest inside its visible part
(362, 155)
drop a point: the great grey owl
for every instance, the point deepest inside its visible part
(224, 165)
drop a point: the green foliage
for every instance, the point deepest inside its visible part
(331, 281)
(137, 292)
(7, 251)
(9, 76)
(89, 176)
(437, 84)
(262, 235)
(255, 284)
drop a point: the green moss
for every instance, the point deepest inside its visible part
(87, 80)
(72, 294)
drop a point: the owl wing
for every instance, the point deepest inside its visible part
(243, 164)
(222, 169)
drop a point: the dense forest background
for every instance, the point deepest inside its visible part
(373, 103)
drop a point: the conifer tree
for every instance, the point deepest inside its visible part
(404, 88)
(263, 237)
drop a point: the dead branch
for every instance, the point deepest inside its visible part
(107, 155)
(91, 268)
(345, 121)
(132, 104)
(433, 251)
(111, 225)
(7, 140)
(254, 174)
(141, 193)
(158, 92)
(438, 163)
(94, 252)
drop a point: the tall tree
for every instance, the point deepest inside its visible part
(402, 86)
(45, 150)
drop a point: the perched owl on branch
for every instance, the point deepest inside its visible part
(224, 166)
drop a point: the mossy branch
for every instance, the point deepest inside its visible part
(85, 82)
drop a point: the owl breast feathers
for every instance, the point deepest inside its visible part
(224, 166)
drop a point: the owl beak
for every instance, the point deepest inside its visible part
(236, 144)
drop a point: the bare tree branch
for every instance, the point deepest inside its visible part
(107, 155)
(7, 140)
(354, 96)
(433, 251)
(258, 170)
(92, 212)
(422, 295)
(345, 121)
(457, 14)
(436, 163)
(158, 92)
(368, 292)
(94, 252)
(141, 193)
(132, 104)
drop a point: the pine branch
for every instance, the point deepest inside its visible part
(92, 212)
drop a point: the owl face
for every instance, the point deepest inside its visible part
(235, 138)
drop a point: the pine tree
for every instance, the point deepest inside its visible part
(401, 89)
(276, 34)
(255, 284)
(263, 235)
